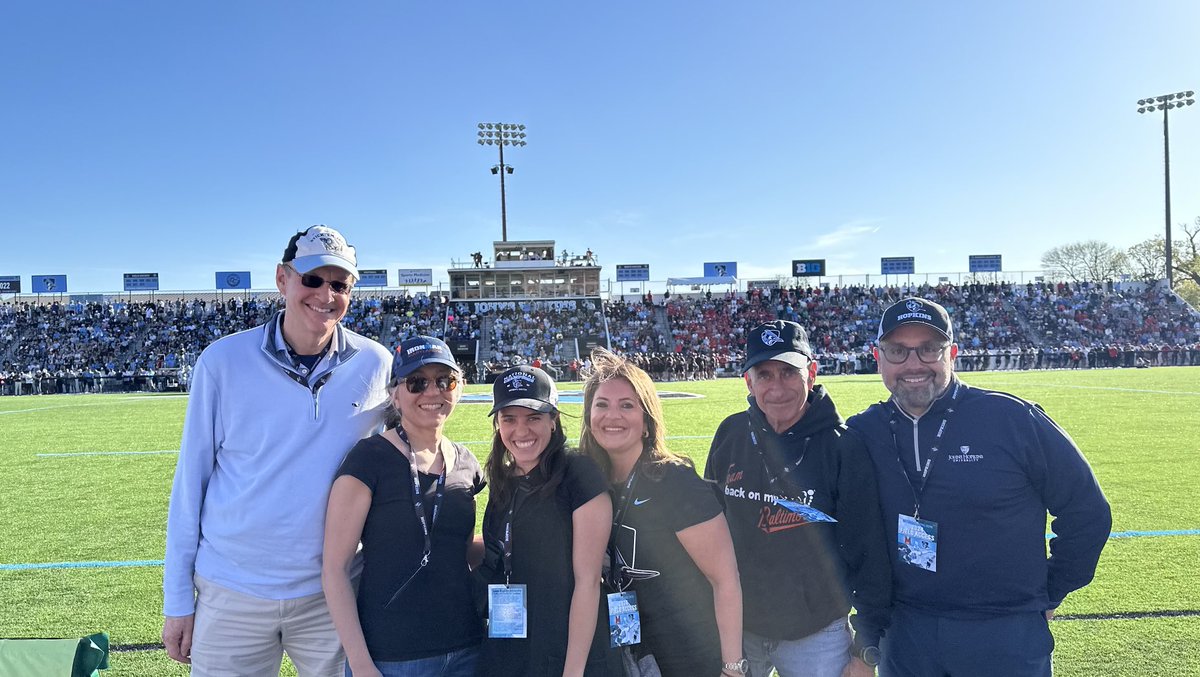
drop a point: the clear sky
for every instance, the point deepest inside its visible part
(186, 138)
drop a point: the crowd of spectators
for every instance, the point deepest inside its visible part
(116, 344)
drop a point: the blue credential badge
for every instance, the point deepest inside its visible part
(624, 622)
(806, 511)
(508, 616)
(917, 542)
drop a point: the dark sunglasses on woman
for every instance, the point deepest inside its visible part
(418, 384)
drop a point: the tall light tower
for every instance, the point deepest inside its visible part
(1165, 103)
(501, 134)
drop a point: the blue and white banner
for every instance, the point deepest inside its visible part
(721, 269)
(897, 265)
(141, 281)
(984, 263)
(233, 279)
(49, 284)
(375, 277)
(415, 277)
(10, 284)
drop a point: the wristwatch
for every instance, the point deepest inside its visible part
(869, 655)
(741, 667)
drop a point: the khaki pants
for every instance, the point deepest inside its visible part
(237, 635)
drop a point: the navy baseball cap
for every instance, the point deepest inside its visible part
(320, 246)
(779, 340)
(915, 310)
(416, 352)
(524, 386)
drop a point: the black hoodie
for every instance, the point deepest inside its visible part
(799, 576)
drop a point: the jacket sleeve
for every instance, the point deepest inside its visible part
(862, 540)
(197, 456)
(1082, 517)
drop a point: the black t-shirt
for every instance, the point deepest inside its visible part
(435, 614)
(541, 559)
(679, 625)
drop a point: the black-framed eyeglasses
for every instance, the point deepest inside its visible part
(927, 353)
(419, 384)
(316, 282)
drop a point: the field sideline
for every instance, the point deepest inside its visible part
(68, 498)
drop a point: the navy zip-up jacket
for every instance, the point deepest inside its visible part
(997, 467)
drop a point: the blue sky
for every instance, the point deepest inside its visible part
(186, 138)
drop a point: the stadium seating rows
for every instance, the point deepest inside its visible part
(120, 344)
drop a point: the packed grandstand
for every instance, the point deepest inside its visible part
(125, 344)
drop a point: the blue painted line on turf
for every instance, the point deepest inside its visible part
(82, 565)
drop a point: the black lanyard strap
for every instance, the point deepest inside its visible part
(919, 491)
(773, 479)
(419, 507)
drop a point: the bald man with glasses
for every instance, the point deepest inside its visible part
(966, 478)
(272, 412)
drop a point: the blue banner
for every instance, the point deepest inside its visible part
(375, 277)
(721, 269)
(633, 272)
(984, 263)
(141, 281)
(897, 265)
(233, 279)
(49, 284)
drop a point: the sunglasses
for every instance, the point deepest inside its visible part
(419, 384)
(316, 282)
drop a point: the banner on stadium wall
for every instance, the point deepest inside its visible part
(141, 281)
(233, 279)
(10, 284)
(808, 268)
(633, 272)
(484, 307)
(375, 277)
(415, 277)
(462, 347)
(897, 265)
(49, 284)
(762, 284)
(721, 269)
(984, 263)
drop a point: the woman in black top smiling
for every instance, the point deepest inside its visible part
(409, 495)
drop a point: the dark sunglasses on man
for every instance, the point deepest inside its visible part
(419, 384)
(316, 282)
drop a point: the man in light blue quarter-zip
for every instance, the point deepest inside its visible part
(272, 411)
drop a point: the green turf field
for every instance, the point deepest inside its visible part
(1139, 428)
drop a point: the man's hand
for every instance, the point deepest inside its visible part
(857, 668)
(1049, 614)
(177, 637)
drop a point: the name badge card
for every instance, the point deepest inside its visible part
(508, 613)
(624, 621)
(917, 542)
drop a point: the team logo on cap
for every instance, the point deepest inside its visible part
(912, 306)
(518, 381)
(332, 244)
(770, 337)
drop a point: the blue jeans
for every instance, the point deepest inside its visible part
(824, 653)
(918, 644)
(459, 663)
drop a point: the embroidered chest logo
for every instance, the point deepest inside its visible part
(964, 455)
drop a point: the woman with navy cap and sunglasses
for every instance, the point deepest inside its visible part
(408, 494)
(545, 530)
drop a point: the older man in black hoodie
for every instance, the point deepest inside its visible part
(803, 509)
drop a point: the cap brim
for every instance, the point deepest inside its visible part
(798, 360)
(536, 405)
(410, 368)
(920, 322)
(307, 264)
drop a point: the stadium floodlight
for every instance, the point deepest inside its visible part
(502, 134)
(1165, 103)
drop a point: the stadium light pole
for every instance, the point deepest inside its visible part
(501, 134)
(1165, 103)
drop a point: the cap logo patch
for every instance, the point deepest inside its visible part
(770, 337)
(518, 381)
(331, 243)
(912, 306)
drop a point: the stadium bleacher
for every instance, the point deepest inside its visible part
(72, 347)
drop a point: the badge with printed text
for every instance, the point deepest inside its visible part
(806, 511)
(508, 616)
(624, 622)
(917, 542)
